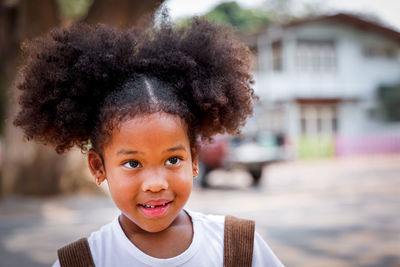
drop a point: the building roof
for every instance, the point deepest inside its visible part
(351, 20)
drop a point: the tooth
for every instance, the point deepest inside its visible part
(150, 206)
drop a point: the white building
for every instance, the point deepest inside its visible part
(317, 80)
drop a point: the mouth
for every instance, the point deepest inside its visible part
(154, 206)
(156, 210)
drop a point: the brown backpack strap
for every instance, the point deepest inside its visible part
(238, 242)
(76, 254)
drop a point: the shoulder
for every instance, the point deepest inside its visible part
(262, 253)
(104, 233)
(56, 264)
(208, 237)
(206, 218)
(212, 229)
(207, 223)
(96, 241)
(104, 241)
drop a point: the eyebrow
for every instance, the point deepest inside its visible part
(130, 152)
(175, 148)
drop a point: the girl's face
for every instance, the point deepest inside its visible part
(149, 169)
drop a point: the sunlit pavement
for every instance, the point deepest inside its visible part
(335, 212)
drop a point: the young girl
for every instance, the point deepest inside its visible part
(137, 102)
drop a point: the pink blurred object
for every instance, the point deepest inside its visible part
(213, 154)
(358, 145)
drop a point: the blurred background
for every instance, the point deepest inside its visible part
(317, 167)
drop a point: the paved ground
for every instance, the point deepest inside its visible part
(337, 212)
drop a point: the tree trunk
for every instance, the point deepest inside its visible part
(121, 13)
(30, 168)
(23, 169)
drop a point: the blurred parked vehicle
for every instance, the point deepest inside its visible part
(250, 152)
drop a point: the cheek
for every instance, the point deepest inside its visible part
(122, 187)
(184, 181)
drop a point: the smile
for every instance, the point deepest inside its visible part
(155, 206)
(154, 211)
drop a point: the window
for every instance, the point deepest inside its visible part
(277, 56)
(379, 51)
(318, 119)
(315, 56)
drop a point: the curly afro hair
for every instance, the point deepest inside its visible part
(79, 83)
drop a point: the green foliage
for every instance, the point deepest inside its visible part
(389, 97)
(74, 9)
(271, 11)
(242, 19)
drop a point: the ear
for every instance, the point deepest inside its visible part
(195, 161)
(96, 166)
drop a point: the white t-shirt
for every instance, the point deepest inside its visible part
(111, 247)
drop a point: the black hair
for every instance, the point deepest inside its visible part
(81, 82)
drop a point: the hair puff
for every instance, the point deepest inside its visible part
(70, 73)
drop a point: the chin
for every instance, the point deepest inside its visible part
(155, 228)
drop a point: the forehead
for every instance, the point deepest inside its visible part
(149, 132)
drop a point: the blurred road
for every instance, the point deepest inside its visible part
(331, 212)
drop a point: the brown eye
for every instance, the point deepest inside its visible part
(173, 161)
(133, 164)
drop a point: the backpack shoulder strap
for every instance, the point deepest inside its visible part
(76, 254)
(238, 242)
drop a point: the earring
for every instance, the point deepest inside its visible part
(98, 182)
(196, 173)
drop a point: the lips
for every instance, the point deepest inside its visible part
(155, 208)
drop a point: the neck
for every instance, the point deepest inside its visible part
(171, 241)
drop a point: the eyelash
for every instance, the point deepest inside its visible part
(178, 161)
(128, 163)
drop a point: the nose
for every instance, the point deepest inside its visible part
(154, 181)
